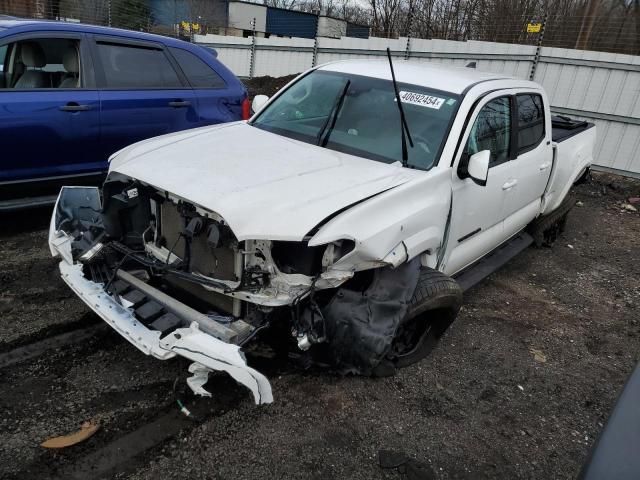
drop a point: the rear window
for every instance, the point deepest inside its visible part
(530, 121)
(127, 66)
(198, 73)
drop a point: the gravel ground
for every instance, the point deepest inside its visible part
(519, 387)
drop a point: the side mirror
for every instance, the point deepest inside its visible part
(258, 102)
(478, 167)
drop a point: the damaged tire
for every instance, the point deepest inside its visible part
(433, 307)
(390, 318)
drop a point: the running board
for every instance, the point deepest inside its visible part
(493, 261)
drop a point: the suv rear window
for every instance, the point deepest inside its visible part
(199, 74)
(530, 121)
(127, 66)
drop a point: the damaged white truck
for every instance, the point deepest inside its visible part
(340, 219)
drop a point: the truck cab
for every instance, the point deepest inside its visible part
(532, 162)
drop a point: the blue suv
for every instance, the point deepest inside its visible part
(73, 94)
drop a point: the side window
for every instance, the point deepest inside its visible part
(199, 74)
(127, 66)
(41, 63)
(530, 121)
(492, 130)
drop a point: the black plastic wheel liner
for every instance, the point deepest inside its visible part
(360, 326)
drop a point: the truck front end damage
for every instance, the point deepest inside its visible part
(172, 278)
(113, 261)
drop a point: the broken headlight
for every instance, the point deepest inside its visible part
(298, 257)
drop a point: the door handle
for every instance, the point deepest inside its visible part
(75, 107)
(544, 166)
(180, 103)
(510, 184)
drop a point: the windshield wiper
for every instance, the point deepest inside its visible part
(332, 117)
(404, 128)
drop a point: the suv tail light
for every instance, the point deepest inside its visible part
(246, 109)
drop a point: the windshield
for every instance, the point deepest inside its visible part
(367, 120)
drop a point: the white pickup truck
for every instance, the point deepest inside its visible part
(343, 220)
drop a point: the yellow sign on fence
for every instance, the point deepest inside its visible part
(190, 27)
(534, 27)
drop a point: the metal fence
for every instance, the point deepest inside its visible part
(600, 25)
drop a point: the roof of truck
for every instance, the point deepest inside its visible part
(431, 75)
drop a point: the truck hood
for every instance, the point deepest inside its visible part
(265, 186)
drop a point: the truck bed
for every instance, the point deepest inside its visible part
(573, 144)
(565, 127)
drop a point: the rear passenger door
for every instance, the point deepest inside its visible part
(532, 163)
(142, 93)
(215, 104)
(49, 107)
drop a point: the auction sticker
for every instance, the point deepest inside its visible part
(421, 99)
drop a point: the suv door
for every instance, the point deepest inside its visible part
(141, 93)
(532, 164)
(476, 225)
(49, 115)
(216, 103)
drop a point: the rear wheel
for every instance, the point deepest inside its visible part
(433, 307)
(546, 230)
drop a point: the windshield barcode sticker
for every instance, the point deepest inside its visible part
(421, 99)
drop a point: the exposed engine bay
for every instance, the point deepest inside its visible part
(178, 276)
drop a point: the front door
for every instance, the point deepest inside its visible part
(476, 225)
(49, 108)
(141, 93)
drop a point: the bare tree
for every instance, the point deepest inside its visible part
(288, 4)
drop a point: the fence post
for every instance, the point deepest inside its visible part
(536, 57)
(407, 51)
(252, 58)
(314, 59)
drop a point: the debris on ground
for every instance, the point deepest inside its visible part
(633, 200)
(538, 356)
(628, 206)
(87, 429)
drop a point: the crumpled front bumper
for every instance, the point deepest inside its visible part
(188, 342)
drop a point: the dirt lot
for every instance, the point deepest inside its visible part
(266, 85)
(481, 406)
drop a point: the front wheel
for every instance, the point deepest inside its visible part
(433, 307)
